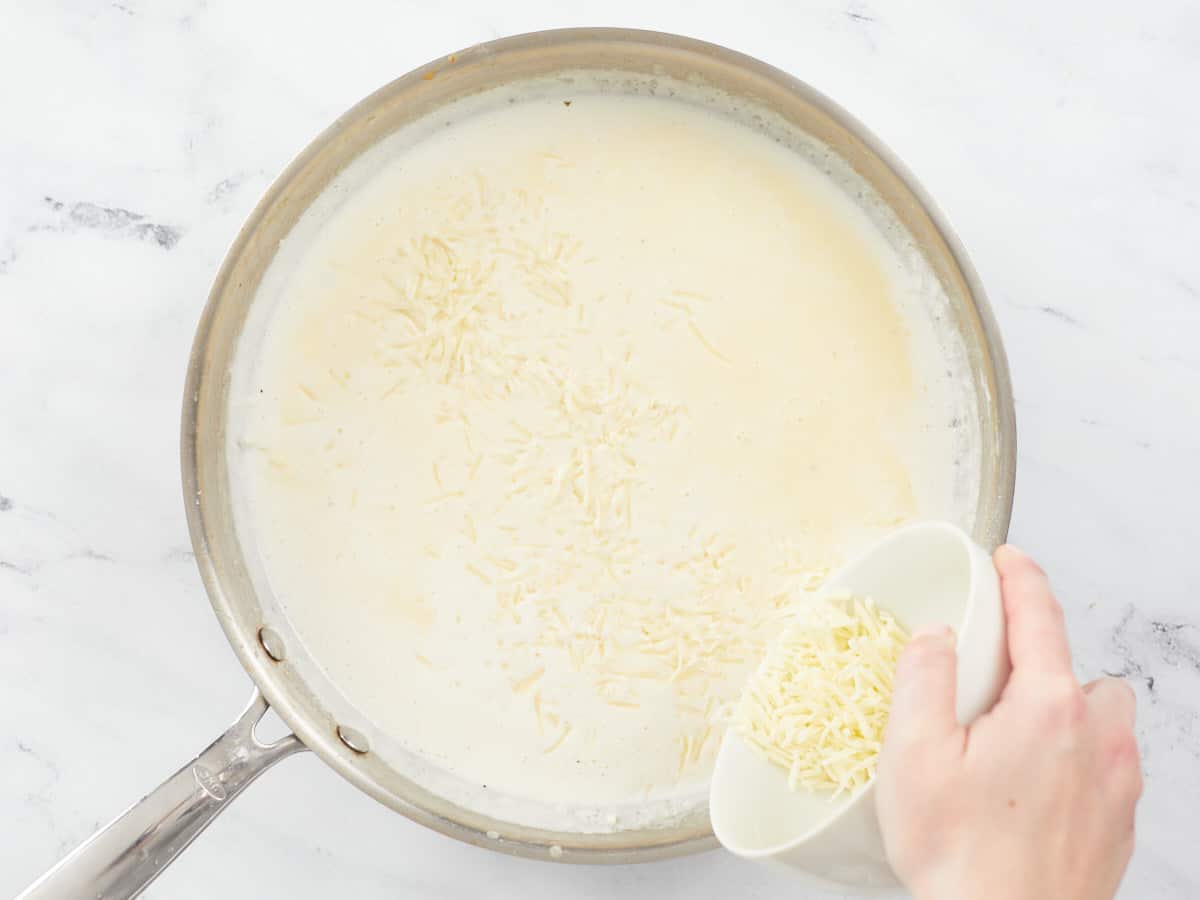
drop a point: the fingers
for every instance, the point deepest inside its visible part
(1113, 707)
(1037, 636)
(1112, 700)
(923, 695)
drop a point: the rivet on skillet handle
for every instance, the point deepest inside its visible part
(355, 740)
(272, 643)
(121, 860)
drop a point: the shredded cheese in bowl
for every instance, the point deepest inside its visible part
(818, 704)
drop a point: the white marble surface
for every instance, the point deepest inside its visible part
(1061, 138)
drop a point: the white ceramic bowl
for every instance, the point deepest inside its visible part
(925, 573)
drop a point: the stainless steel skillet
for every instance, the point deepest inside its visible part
(125, 856)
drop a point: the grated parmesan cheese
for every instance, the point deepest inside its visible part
(818, 704)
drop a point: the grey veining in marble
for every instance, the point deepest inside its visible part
(1061, 138)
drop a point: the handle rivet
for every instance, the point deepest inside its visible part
(355, 740)
(272, 643)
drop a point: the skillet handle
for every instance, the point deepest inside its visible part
(121, 859)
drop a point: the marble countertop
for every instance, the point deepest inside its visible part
(138, 135)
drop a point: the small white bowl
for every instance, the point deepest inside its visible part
(923, 574)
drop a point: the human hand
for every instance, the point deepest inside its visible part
(1035, 799)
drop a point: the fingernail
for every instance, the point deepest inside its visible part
(934, 630)
(1010, 555)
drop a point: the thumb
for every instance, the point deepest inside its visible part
(923, 693)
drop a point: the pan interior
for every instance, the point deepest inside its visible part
(322, 681)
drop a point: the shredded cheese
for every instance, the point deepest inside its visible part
(449, 313)
(818, 704)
